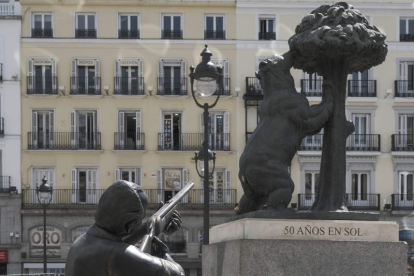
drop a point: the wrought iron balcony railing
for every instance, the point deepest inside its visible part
(89, 198)
(402, 201)
(363, 142)
(406, 37)
(402, 142)
(214, 34)
(225, 90)
(128, 34)
(267, 35)
(5, 184)
(311, 88)
(42, 85)
(253, 86)
(42, 33)
(129, 86)
(85, 86)
(129, 141)
(64, 141)
(193, 141)
(1, 126)
(362, 88)
(171, 34)
(353, 201)
(85, 33)
(172, 86)
(313, 142)
(404, 88)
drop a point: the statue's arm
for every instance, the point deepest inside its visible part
(318, 115)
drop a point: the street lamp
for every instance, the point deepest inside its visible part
(44, 196)
(206, 74)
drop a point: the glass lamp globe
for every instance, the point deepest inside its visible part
(201, 167)
(44, 193)
(45, 197)
(206, 86)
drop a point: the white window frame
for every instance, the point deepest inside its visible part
(168, 112)
(129, 14)
(31, 72)
(86, 22)
(121, 125)
(226, 189)
(359, 201)
(92, 196)
(75, 73)
(406, 18)
(34, 127)
(118, 73)
(74, 119)
(226, 128)
(161, 185)
(319, 83)
(137, 170)
(172, 21)
(43, 168)
(32, 21)
(308, 201)
(274, 17)
(214, 15)
(406, 201)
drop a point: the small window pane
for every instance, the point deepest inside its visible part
(48, 71)
(134, 71)
(410, 187)
(411, 26)
(209, 23)
(48, 21)
(124, 22)
(263, 27)
(354, 186)
(316, 183)
(38, 21)
(134, 23)
(308, 186)
(219, 24)
(364, 75)
(167, 23)
(364, 186)
(91, 22)
(403, 26)
(81, 21)
(177, 23)
(270, 26)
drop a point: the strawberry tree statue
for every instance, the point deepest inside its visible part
(335, 41)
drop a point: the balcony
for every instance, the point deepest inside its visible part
(311, 88)
(129, 86)
(172, 86)
(89, 198)
(254, 88)
(406, 37)
(362, 88)
(363, 142)
(85, 33)
(215, 35)
(129, 141)
(169, 34)
(40, 85)
(128, 34)
(42, 33)
(192, 141)
(404, 88)
(64, 141)
(313, 142)
(267, 35)
(10, 9)
(402, 142)
(353, 201)
(402, 202)
(5, 184)
(85, 86)
(223, 91)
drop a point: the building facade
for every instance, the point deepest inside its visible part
(106, 96)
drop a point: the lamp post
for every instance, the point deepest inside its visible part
(44, 196)
(206, 74)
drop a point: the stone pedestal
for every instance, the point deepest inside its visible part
(267, 247)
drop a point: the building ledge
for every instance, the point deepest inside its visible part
(10, 17)
(362, 99)
(363, 153)
(129, 151)
(403, 100)
(310, 153)
(119, 96)
(402, 153)
(87, 96)
(171, 96)
(33, 96)
(62, 151)
(192, 151)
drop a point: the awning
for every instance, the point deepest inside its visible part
(40, 265)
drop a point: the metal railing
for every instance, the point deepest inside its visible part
(44, 85)
(214, 34)
(89, 198)
(129, 141)
(253, 86)
(402, 202)
(1, 126)
(42, 33)
(406, 37)
(223, 91)
(171, 34)
(402, 142)
(353, 201)
(128, 34)
(85, 33)
(85, 86)
(364, 142)
(64, 141)
(312, 142)
(5, 184)
(129, 86)
(172, 86)
(267, 35)
(404, 88)
(193, 141)
(311, 88)
(362, 88)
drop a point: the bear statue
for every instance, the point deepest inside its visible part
(285, 120)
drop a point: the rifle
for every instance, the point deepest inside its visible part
(157, 222)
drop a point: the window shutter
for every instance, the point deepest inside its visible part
(117, 75)
(140, 75)
(138, 177)
(138, 129)
(35, 180)
(160, 185)
(34, 130)
(160, 75)
(183, 76)
(121, 127)
(73, 79)
(74, 184)
(185, 182)
(51, 128)
(227, 130)
(97, 75)
(54, 74)
(117, 175)
(226, 74)
(73, 128)
(30, 74)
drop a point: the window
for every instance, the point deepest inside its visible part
(42, 25)
(214, 27)
(129, 174)
(172, 78)
(311, 185)
(170, 181)
(172, 137)
(360, 186)
(172, 26)
(405, 84)
(84, 133)
(362, 135)
(85, 79)
(223, 63)
(312, 85)
(313, 142)
(85, 182)
(129, 134)
(267, 28)
(406, 29)
(85, 25)
(219, 186)
(39, 173)
(128, 26)
(42, 135)
(361, 85)
(219, 130)
(41, 76)
(129, 77)
(405, 137)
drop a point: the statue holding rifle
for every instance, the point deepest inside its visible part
(107, 248)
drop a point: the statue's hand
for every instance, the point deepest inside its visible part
(159, 248)
(173, 225)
